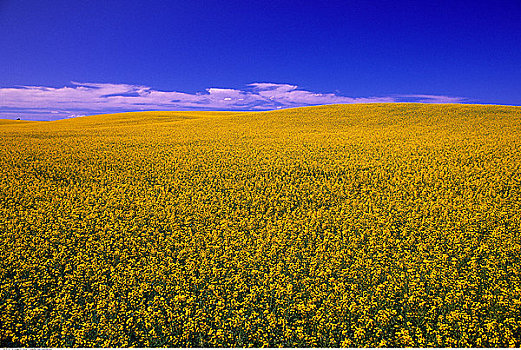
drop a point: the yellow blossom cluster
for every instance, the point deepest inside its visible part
(390, 225)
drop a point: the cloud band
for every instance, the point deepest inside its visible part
(48, 103)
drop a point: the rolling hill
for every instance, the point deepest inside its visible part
(394, 225)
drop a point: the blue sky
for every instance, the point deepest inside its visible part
(66, 58)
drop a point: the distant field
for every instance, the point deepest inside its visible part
(391, 225)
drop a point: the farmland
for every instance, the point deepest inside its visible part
(344, 225)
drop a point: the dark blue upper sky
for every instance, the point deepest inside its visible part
(469, 49)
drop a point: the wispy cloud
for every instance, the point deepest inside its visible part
(429, 99)
(47, 103)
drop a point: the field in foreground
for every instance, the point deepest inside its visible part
(348, 225)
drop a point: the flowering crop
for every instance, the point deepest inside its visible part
(347, 225)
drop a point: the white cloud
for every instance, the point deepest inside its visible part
(40, 102)
(273, 86)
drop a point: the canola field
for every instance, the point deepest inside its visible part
(391, 225)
